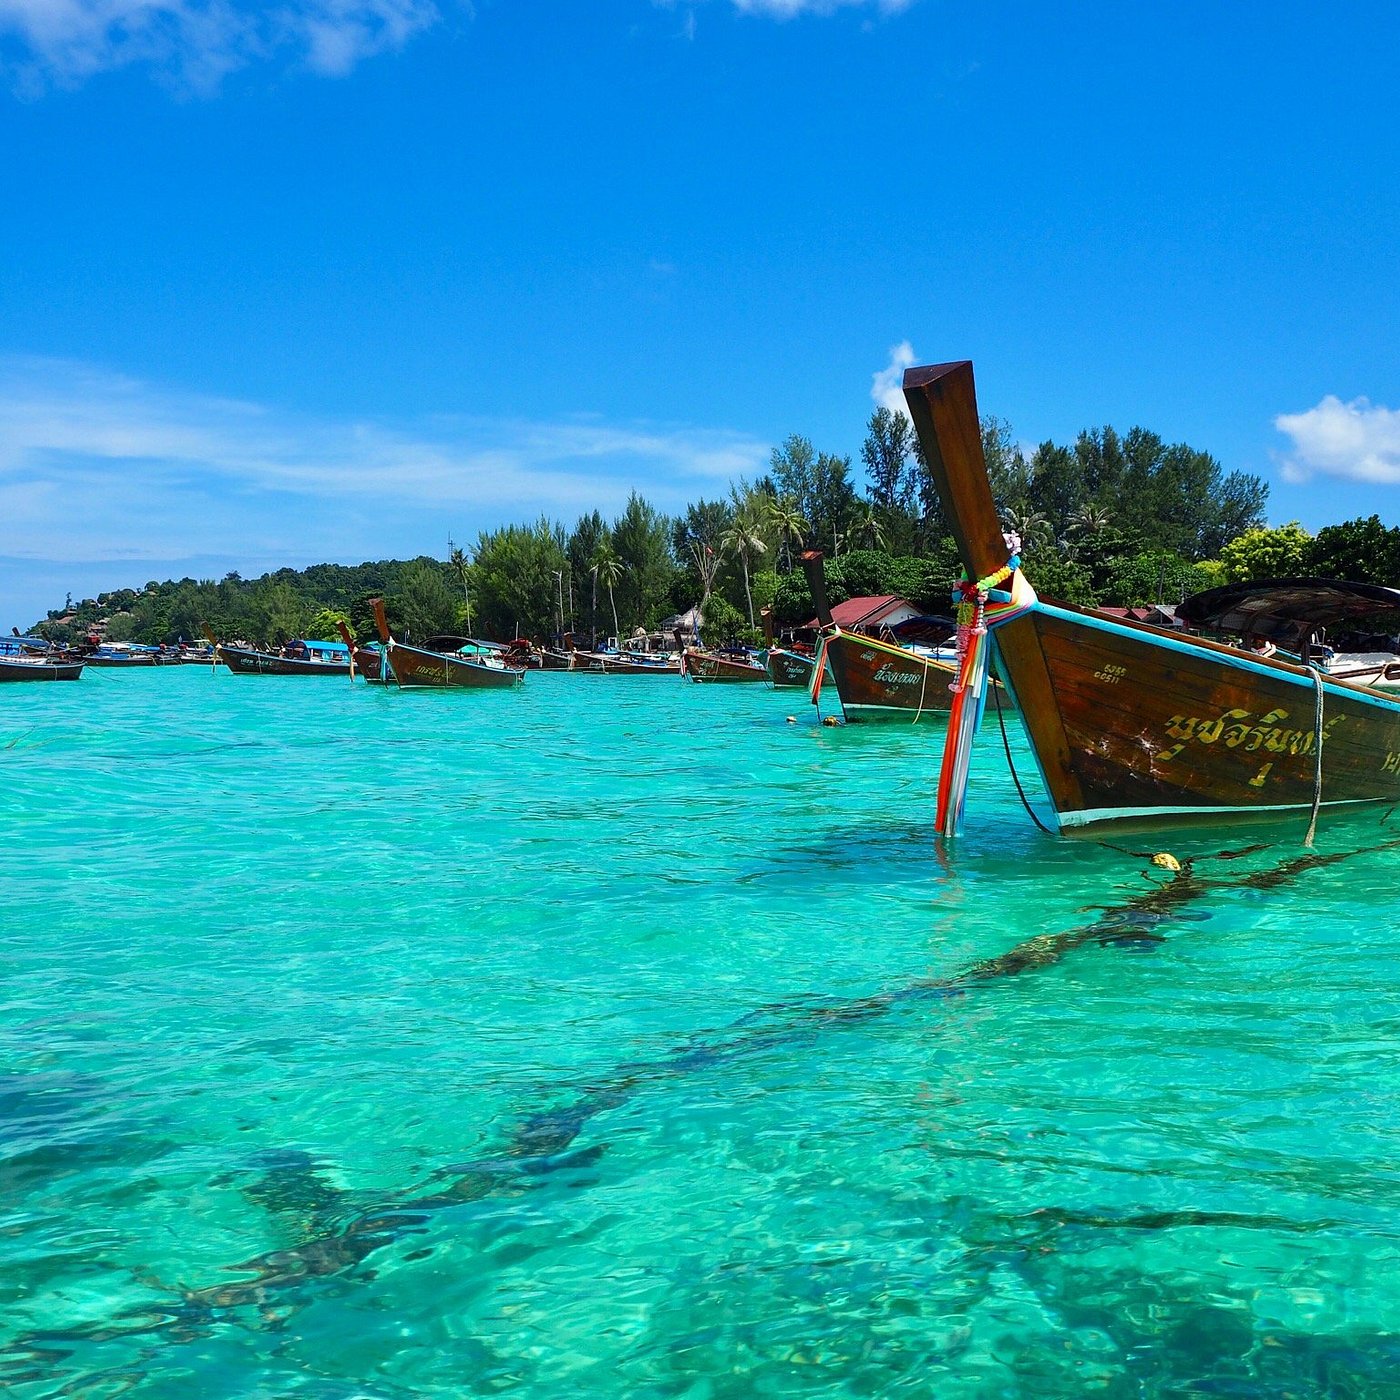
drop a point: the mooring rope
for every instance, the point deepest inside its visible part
(1011, 766)
(1317, 756)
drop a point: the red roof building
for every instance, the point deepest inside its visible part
(882, 611)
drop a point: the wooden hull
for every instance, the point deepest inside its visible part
(625, 666)
(556, 660)
(710, 666)
(789, 668)
(438, 670)
(370, 665)
(877, 680)
(12, 669)
(1133, 725)
(1139, 726)
(265, 663)
(123, 663)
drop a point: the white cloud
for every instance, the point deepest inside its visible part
(789, 9)
(1359, 441)
(197, 42)
(97, 466)
(887, 385)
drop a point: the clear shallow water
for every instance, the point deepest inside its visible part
(613, 1038)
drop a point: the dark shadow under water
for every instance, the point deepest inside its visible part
(341, 1230)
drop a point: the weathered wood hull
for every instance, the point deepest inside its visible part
(142, 662)
(438, 670)
(789, 668)
(13, 669)
(876, 680)
(265, 663)
(710, 666)
(1133, 725)
(1137, 726)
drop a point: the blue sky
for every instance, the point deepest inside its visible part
(335, 278)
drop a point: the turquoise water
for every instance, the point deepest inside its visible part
(615, 1037)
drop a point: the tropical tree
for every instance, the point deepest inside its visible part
(608, 567)
(1089, 519)
(1036, 530)
(459, 561)
(785, 517)
(887, 450)
(641, 540)
(1262, 553)
(744, 541)
(325, 625)
(867, 527)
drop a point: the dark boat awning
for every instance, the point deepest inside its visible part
(1289, 609)
(926, 631)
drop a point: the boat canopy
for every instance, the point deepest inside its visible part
(924, 631)
(1289, 610)
(337, 649)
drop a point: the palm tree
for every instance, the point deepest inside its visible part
(867, 525)
(742, 538)
(459, 562)
(784, 516)
(1090, 519)
(1034, 528)
(607, 565)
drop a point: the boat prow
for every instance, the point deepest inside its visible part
(1132, 724)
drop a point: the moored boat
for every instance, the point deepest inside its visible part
(33, 659)
(725, 665)
(890, 677)
(1130, 724)
(789, 669)
(787, 666)
(124, 656)
(438, 664)
(297, 658)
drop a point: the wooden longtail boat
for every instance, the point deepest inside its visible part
(1132, 724)
(295, 659)
(32, 659)
(124, 656)
(875, 678)
(370, 662)
(722, 666)
(419, 667)
(787, 668)
(702, 665)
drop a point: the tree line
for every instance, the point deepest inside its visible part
(1110, 519)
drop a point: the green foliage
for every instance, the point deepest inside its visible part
(722, 621)
(1056, 577)
(765, 588)
(1151, 576)
(426, 602)
(1362, 551)
(516, 593)
(325, 623)
(1261, 553)
(641, 540)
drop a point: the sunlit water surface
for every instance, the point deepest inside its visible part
(611, 1037)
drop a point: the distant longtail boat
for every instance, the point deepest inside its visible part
(458, 669)
(876, 678)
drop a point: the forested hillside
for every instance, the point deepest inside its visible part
(1115, 519)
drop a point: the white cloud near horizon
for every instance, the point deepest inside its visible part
(887, 385)
(95, 465)
(790, 9)
(196, 43)
(1357, 441)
